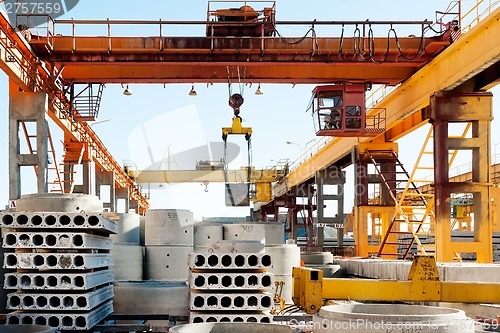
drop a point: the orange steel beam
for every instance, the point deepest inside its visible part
(25, 70)
(169, 59)
(405, 105)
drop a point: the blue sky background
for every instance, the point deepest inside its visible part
(159, 119)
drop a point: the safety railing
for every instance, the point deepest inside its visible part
(37, 28)
(360, 33)
(478, 11)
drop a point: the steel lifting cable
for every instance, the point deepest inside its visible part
(249, 156)
(235, 101)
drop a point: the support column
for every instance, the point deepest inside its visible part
(122, 193)
(106, 178)
(85, 187)
(293, 223)
(363, 246)
(27, 107)
(325, 179)
(477, 109)
(383, 206)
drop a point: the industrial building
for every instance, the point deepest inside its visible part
(386, 222)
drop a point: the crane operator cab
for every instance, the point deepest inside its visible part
(339, 110)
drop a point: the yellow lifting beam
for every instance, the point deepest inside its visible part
(236, 128)
(310, 289)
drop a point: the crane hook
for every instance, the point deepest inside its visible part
(206, 185)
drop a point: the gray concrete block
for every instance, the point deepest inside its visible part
(59, 202)
(62, 321)
(151, 297)
(245, 231)
(206, 234)
(128, 231)
(167, 262)
(242, 261)
(128, 261)
(228, 302)
(231, 281)
(269, 233)
(329, 271)
(236, 246)
(275, 233)
(284, 258)
(468, 272)
(70, 281)
(316, 258)
(203, 317)
(54, 301)
(169, 227)
(142, 229)
(60, 221)
(56, 260)
(55, 240)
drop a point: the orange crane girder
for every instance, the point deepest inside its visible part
(159, 59)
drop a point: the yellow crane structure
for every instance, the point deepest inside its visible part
(263, 179)
(441, 79)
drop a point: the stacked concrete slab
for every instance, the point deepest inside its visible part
(399, 270)
(230, 287)
(169, 241)
(61, 268)
(456, 236)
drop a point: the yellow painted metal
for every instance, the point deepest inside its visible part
(424, 277)
(236, 128)
(308, 288)
(463, 292)
(364, 248)
(364, 147)
(495, 208)
(472, 52)
(200, 176)
(263, 192)
(423, 284)
(366, 290)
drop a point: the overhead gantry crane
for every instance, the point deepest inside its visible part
(51, 63)
(452, 88)
(421, 65)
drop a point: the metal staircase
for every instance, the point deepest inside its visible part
(408, 198)
(414, 209)
(52, 169)
(72, 159)
(85, 104)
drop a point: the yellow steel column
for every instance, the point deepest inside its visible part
(495, 204)
(474, 108)
(360, 231)
(363, 248)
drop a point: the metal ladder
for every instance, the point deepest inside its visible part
(73, 156)
(414, 207)
(407, 197)
(57, 184)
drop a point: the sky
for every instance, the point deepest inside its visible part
(157, 126)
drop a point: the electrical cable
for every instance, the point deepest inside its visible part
(358, 49)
